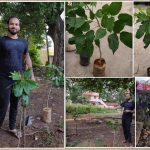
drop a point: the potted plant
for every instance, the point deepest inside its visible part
(109, 20)
(143, 17)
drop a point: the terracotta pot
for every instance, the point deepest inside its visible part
(47, 115)
(99, 67)
(84, 60)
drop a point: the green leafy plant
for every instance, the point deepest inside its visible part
(143, 17)
(23, 85)
(55, 75)
(79, 16)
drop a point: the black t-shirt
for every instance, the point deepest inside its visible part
(11, 54)
(128, 105)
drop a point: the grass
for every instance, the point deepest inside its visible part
(85, 109)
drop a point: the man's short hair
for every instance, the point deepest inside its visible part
(11, 18)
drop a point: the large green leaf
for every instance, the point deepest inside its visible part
(76, 22)
(25, 100)
(85, 26)
(99, 13)
(97, 42)
(90, 36)
(27, 73)
(146, 40)
(105, 9)
(32, 84)
(80, 40)
(15, 75)
(126, 18)
(108, 22)
(17, 89)
(113, 42)
(72, 40)
(104, 21)
(141, 31)
(100, 33)
(79, 22)
(118, 26)
(115, 8)
(80, 12)
(89, 49)
(92, 15)
(126, 38)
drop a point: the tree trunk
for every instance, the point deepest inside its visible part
(56, 31)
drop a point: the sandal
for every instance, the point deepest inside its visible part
(16, 133)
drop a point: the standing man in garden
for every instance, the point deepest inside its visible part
(128, 107)
(13, 53)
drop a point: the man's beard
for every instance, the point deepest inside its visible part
(13, 32)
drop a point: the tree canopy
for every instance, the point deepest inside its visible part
(108, 88)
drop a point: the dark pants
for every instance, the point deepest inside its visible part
(126, 124)
(6, 96)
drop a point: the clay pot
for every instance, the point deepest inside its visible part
(46, 115)
(99, 67)
(148, 71)
(84, 60)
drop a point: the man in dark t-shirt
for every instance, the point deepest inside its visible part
(13, 53)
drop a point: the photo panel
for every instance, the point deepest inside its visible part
(100, 112)
(98, 39)
(142, 111)
(32, 74)
(141, 39)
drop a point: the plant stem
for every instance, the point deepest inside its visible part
(99, 47)
(24, 137)
(49, 96)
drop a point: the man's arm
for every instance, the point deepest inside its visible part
(28, 63)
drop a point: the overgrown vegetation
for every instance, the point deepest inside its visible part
(84, 109)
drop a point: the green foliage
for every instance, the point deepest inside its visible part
(23, 85)
(55, 75)
(109, 21)
(142, 17)
(113, 124)
(85, 109)
(100, 85)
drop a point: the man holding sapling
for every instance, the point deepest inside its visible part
(128, 107)
(13, 53)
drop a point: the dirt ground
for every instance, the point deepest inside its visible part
(94, 131)
(117, 65)
(142, 56)
(40, 134)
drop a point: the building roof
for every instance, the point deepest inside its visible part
(88, 93)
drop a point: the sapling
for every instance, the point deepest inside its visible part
(22, 87)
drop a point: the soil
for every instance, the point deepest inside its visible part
(94, 131)
(39, 134)
(100, 62)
